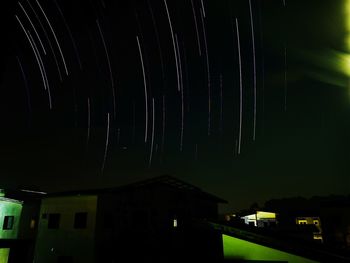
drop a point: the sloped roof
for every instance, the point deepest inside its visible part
(166, 180)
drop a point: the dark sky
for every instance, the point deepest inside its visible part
(245, 99)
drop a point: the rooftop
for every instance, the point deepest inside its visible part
(164, 180)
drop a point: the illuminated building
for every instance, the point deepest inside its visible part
(10, 213)
(260, 219)
(141, 221)
(18, 217)
(316, 221)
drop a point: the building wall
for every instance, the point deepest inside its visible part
(134, 220)
(29, 220)
(142, 220)
(241, 250)
(66, 243)
(9, 207)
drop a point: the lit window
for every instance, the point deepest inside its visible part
(175, 223)
(8, 222)
(302, 222)
(80, 220)
(32, 224)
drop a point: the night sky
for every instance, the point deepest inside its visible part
(247, 99)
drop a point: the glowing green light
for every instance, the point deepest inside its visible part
(238, 249)
(4, 255)
(9, 207)
(347, 25)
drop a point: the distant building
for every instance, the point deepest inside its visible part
(260, 219)
(18, 216)
(316, 221)
(333, 211)
(150, 220)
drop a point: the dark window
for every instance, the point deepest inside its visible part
(108, 220)
(8, 222)
(80, 220)
(140, 219)
(54, 221)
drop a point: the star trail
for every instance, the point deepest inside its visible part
(198, 89)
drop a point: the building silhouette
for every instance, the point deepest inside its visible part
(153, 220)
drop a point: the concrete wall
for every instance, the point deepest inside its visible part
(66, 242)
(9, 207)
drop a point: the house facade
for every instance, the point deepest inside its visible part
(316, 221)
(150, 220)
(66, 229)
(18, 218)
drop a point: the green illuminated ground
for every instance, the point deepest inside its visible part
(4, 255)
(239, 249)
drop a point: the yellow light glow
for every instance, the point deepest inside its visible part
(175, 223)
(265, 215)
(318, 237)
(347, 26)
(344, 60)
(32, 224)
(301, 221)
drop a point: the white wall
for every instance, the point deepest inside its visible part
(66, 240)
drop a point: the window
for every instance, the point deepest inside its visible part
(32, 224)
(80, 220)
(8, 222)
(54, 221)
(302, 222)
(175, 222)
